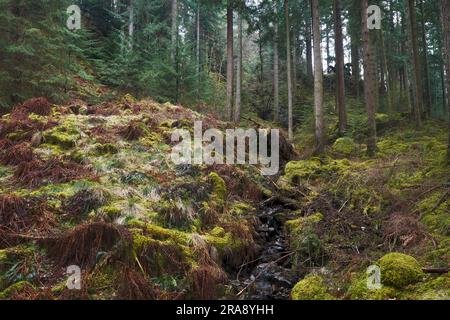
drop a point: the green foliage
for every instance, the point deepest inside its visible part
(39, 54)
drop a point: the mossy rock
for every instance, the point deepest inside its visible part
(345, 146)
(313, 287)
(399, 270)
(359, 290)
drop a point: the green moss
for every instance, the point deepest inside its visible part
(220, 192)
(15, 289)
(218, 232)
(304, 240)
(359, 290)
(300, 224)
(111, 211)
(433, 289)
(399, 270)
(302, 169)
(65, 135)
(241, 208)
(435, 212)
(344, 146)
(104, 149)
(311, 288)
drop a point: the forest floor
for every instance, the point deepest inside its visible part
(93, 186)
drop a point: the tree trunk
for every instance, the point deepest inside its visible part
(445, 13)
(237, 111)
(386, 77)
(230, 61)
(276, 75)
(369, 82)
(309, 63)
(289, 71)
(355, 67)
(340, 76)
(318, 80)
(131, 25)
(198, 49)
(426, 67)
(174, 30)
(416, 63)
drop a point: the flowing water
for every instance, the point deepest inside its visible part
(269, 276)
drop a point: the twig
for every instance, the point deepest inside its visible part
(264, 269)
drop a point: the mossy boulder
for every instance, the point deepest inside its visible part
(344, 146)
(313, 287)
(359, 290)
(399, 270)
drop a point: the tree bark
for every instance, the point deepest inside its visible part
(445, 13)
(318, 80)
(369, 82)
(339, 49)
(386, 73)
(289, 71)
(308, 40)
(276, 74)
(230, 61)
(426, 67)
(174, 29)
(237, 111)
(418, 99)
(197, 53)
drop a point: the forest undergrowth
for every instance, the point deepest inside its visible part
(92, 185)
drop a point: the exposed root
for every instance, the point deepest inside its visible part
(81, 245)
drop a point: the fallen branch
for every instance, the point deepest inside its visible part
(436, 270)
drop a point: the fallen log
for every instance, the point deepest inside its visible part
(436, 270)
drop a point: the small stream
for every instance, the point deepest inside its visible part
(269, 276)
